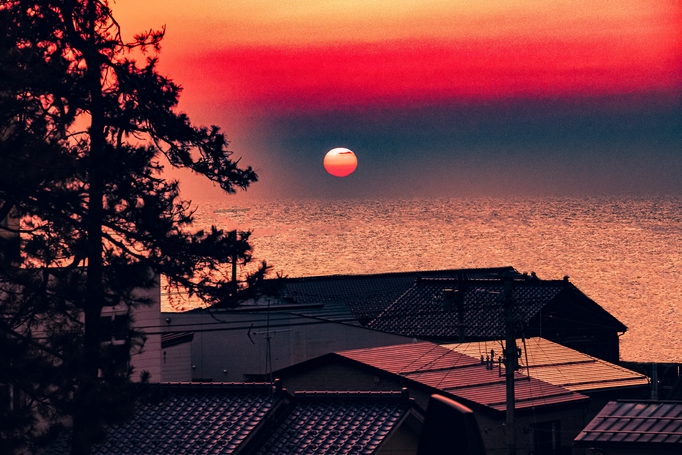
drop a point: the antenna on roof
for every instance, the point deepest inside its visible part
(267, 334)
(268, 350)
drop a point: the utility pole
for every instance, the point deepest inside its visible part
(510, 362)
(459, 303)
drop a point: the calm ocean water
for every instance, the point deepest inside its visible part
(624, 253)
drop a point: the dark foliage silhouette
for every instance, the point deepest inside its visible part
(86, 125)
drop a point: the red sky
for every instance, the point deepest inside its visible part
(276, 74)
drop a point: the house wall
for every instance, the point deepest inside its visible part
(599, 399)
(571, 421)
(233, 346)
(402, 441)
(176, 363)
(145, 319)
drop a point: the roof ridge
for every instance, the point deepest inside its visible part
(567, 392)
(350, 394)
(601, 381)
(516, 280)
(397, 274)
(211, 386)
(567, 362)
(449, 368)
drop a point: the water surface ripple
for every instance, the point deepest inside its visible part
(625, 253)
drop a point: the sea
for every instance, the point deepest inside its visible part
(625, 253)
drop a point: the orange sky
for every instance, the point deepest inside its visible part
(249, 64)
(260, 52)
(217, 24)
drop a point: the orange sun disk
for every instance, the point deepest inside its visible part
(340, 162)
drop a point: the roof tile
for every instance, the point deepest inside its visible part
(191, 419)
(559, 365)
(459, 375)
(642, 423)
(422, 311)
(366, 296)
(338, 423)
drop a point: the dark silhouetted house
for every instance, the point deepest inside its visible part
(451, 310)
(367, 296)
(314, 316)
(318, 315)
(259, 419)
(635, 428)
(548, 416)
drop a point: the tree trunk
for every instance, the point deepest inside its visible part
(86, 419)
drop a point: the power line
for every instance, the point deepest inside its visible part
(338, 316)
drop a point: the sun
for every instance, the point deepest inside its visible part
(340, 162)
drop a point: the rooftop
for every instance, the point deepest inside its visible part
(188, 419)
(635, 423)
(447, 308)
(231, 418)
(366, 296)
(340, 422)
(461, 376)
(561, 366)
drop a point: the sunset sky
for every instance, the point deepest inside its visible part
(436, 98)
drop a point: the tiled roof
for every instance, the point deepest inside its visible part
(562, 366)
(222, 418)
(422, 310)
(461, 376)
(190, 419)
(336, 423)
(366, 296)
(635, 423)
